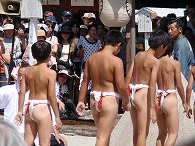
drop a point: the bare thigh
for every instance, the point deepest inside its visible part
(141, 105)
(105, 120)
(170, 108)
(42, 116)
(30, 131)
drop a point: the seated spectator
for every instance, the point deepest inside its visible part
(63, 94)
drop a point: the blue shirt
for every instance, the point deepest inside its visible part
(184, 55)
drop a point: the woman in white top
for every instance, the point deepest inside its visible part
(64, 53)
(53, 40)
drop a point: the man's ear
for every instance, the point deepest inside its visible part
(119, 45)
(180, 29)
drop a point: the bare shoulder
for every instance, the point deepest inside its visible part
(176, 63)
(50, 72)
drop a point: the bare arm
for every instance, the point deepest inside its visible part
(120, 83)
(7, 58)
(189, 88)
(178, 83)
(85, 82)
(2, 47)
(81, 106)
(23, 89)
(189, 92)
(129, 75)
(52, 98)
(52, 95)
(152, 90)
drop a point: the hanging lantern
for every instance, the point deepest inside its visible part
(115, 13)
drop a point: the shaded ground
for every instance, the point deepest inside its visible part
(84, 126)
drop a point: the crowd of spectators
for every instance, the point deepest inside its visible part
(72, 44)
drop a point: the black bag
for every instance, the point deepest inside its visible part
(69, 106)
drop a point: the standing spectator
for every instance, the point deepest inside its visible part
(85, 19)
(53, 40)
(21, 35)
(66, 16)
(100, 33)
(182, 47)
(191, 21)
(88, 46)
(16, 50)
(64, 53)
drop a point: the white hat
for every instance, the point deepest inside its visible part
(64, 72)
(83, 27)
(91, 15)
(85, 15)
(8, 26)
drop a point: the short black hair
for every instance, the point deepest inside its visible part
(91, 25)
(41, 50)
(113, 37)
(178, 22)
(169, 49)
(158, 38)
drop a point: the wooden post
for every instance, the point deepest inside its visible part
(130, 49)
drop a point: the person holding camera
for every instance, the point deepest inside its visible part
(63, 94)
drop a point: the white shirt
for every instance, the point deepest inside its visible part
(9, 101)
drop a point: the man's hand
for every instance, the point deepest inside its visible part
(153, 116)
(189, 112)
(19, 118)
(80, 108)
(126, 106)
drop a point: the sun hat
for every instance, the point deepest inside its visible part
(41, 32)
(91, 15)
(64, 72)
(84, 16)
(8, 26)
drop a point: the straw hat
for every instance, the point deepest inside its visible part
(8, 26)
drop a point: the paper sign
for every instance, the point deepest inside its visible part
(53, 2)
(82, 2)
(44, 2)
(31, 9)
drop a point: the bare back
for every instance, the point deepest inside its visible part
(143, 65)
(41, 82)
(167, 73)
(105, 70)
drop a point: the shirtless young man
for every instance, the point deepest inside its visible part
(40, 80)
(168, 79)
(107, 75)
(189, 92)
(141, 82)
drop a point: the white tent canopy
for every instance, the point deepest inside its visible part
(164, 11)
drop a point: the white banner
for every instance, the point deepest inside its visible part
(32, 37)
